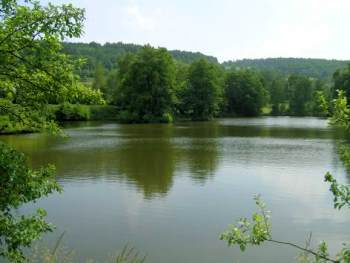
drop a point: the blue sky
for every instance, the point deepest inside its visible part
(227, 29)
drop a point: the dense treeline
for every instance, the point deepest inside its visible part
(106, 55)
(315, 68)
(155, 85)
(151, 86)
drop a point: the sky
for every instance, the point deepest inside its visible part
(226, 29)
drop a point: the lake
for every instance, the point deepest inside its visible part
(170, 190)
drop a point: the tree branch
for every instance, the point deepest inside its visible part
(303, 249)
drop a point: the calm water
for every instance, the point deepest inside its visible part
(169, 190)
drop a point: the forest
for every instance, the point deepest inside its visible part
(45, 81)
(133, 84)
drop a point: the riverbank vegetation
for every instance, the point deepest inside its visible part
(43, 82)
(228, 91)
(147, 84)
(33, 74)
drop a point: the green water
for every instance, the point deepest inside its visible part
(169, 190)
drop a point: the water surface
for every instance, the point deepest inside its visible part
(169, 190)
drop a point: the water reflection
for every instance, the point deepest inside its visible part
(171, 189)
(147, 158)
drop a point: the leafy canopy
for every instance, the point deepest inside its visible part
(33, 72)
(146, 85)
(202, 95)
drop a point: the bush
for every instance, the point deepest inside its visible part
(72, 112)
(81, 94)
(103, 112)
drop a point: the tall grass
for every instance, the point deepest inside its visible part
(59, 254)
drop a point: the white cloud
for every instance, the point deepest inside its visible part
(141, 19)
(228, 29)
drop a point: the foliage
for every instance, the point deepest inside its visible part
(111, 88)
(20, 119)
(340, 192)
(315, 68)
(78, 93)
(252, 232)
(202, 95)
(321, 105)
(341, 79)
(259, 230)
(344, 152)
(72, 112)
(58, 253)
(278, 96)
(147, 82)
(129, 255)
(33, 73)
(300, 95)
(103, 112)
(20, 185)
(100, 81)
(341, 111)
(106, 55)
(244, 93)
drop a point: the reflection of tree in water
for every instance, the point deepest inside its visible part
(147, 158)
(150, 155)
(202, 159)
(201, 153)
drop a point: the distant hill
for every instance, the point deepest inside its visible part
(317, 68)
(108, 53)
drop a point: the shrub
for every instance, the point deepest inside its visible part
(72, 112)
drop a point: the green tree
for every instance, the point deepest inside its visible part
(111, 86)
(202, 94)
(341, 79)
(181, 79)
(278, 96)
(34, 72)
(20, 185)
(244, 93)
(299, 90)
(100, 80)
(320, 104)
(147, 82)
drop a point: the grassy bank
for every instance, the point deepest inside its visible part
(61, 113)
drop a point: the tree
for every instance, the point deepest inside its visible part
(320, 104)
(181, 77)
(100, 81)
(146, 86)
(19, 185)
(33, 73)
(299, 90)
(278, 96)
(111, 86)
(244, 93)
(341, 79)
(32, 68)
(202, 95)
